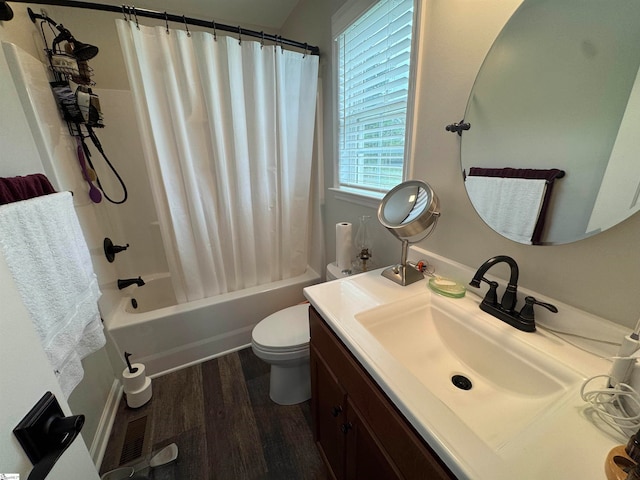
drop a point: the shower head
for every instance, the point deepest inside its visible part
(81, 51)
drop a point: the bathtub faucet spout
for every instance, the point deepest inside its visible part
(124, 283)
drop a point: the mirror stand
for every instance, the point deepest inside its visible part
(402, 273)
(410, 212)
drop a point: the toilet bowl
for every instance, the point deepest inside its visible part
(282, 340)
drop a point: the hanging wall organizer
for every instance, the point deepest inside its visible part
(80, 106)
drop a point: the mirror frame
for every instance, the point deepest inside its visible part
(421, 222)
(418, 228)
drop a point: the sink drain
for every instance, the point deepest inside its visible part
(461, 382)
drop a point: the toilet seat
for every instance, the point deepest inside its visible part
(285, 331)
(281, 358)
(279, 351)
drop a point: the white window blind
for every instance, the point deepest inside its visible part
(374, 56)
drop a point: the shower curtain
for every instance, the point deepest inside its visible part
(227, 130)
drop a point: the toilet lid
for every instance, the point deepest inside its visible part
(285, 329)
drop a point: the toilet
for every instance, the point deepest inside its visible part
(282, 340)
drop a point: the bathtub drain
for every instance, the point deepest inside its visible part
(462, 382)
(134, 303)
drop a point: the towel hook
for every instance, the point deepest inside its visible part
(166, 22)
(135, 14)
(186, 27)
(239, 35)
(215, 35)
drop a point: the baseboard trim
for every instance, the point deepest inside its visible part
(199, 361)
(101, 438)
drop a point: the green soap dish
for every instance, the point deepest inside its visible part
(446, 287)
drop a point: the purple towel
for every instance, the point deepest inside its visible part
(14, 189)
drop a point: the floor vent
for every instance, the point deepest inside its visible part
(133, 440)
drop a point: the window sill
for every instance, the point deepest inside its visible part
(370, 199)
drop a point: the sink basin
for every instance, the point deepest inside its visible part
(497, 384)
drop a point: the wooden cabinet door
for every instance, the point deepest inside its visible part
(358, 430)
(366, 458)
(328, 412)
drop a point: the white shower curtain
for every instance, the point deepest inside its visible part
(227, 130)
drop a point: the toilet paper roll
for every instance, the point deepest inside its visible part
(132, 382)
(344, 245)
(140, 397)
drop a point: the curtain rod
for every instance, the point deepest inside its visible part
(142, 12)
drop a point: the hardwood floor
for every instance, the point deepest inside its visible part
(225, 426)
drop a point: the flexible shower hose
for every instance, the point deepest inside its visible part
(98, 145)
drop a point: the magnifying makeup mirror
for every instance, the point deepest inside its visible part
(410, 211)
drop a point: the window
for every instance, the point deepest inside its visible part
(373, 56)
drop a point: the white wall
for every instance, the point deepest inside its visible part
(26, 377)
(26, 373)
(25, 150)
(598, 274)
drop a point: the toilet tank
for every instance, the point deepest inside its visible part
(334, 272)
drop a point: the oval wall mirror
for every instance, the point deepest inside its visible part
(559, 90)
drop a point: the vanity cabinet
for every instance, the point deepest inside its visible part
(359, 432)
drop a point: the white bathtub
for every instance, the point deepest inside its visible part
(165, 336)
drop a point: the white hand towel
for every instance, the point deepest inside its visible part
(508, 205)
(45, 250)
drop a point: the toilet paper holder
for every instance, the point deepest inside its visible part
(45, 433)
(136, 385)
(131, 368)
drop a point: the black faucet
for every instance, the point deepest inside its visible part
(509, 299)
(505, 310)
(124, 283)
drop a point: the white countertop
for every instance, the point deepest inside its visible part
(566, 442)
